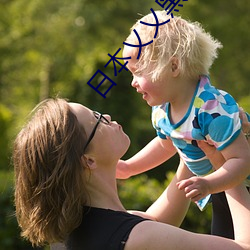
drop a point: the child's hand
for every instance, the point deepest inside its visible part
(194, 187)
(122, 170)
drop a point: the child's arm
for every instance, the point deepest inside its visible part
(233, 172)
(153, 154)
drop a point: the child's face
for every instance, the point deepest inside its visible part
(154, 93)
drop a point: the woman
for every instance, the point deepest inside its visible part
(65, 166)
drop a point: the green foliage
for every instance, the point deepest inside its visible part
(245, 103)
(5, 124)
(139, 192)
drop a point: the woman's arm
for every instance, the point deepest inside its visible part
(171, 207)
(239, 203)
(160, 236)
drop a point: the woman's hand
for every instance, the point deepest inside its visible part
(245, 124)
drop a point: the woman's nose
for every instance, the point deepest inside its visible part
(108, 117)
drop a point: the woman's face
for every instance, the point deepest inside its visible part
(109, 139)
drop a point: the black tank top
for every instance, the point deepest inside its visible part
(102, 229)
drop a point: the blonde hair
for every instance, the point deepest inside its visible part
(188, 42)
(49, 184)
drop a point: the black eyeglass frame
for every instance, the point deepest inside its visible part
(100, 118)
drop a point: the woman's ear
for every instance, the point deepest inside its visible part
(89, 161)
(175, 66)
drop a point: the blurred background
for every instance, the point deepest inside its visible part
(52, 48)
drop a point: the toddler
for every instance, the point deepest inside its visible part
(172, 75)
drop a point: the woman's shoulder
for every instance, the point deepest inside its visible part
(110, 227)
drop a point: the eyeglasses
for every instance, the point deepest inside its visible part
(100, 118)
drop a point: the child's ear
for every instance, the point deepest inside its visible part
(175, 66)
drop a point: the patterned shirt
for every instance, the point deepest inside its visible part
(213, 115)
